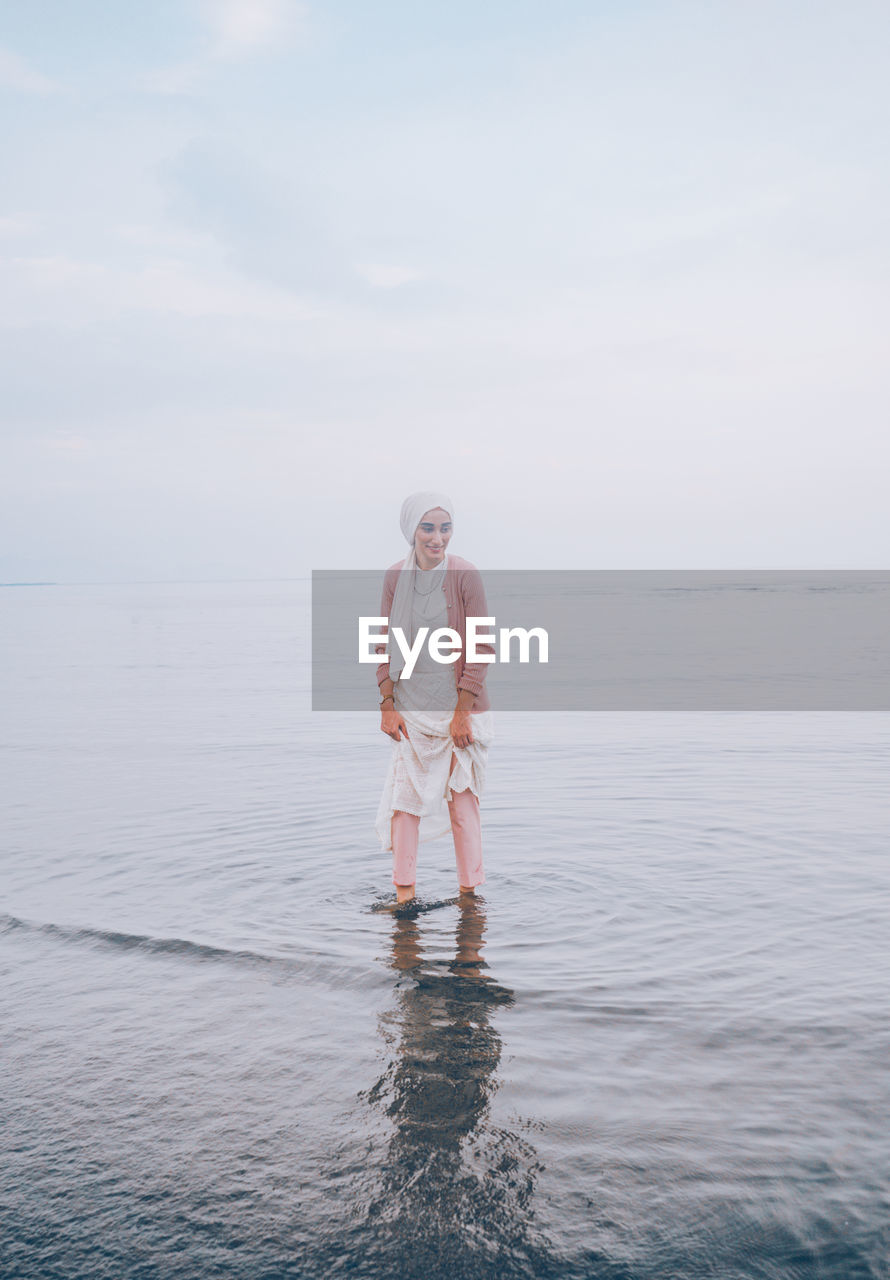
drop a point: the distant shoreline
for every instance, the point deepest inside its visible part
(151, 582)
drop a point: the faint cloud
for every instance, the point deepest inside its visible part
(238, 27)
(67, 444)
(235, 30)
(19, 224)
(66, 291)
(16, 73)
(387, 276)
(270, 224)
(168, 240)
(58, 271)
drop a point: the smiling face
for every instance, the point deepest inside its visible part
(432, 537)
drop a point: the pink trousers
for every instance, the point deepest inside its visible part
(466, 827)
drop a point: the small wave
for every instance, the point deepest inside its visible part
(135, 941)
(185, 949)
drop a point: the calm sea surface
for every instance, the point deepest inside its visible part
(657, 1046)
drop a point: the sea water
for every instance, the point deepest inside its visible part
(656, 1045)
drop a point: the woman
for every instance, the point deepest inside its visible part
(439, 718)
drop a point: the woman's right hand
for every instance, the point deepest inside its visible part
(393, 723)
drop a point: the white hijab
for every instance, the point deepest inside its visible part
(414, 508)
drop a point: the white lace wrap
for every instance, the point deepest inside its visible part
(420, 780)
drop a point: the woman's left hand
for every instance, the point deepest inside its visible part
(461, 729)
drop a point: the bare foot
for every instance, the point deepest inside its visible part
(468, 888)
(404, 892)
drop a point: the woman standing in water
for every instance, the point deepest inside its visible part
(439, 717)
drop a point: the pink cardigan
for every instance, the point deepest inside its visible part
(465, 597)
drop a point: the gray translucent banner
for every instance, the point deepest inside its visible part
(647, 640)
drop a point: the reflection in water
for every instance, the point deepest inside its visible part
(456, 1191)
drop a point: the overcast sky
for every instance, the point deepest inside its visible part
(614, 275)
